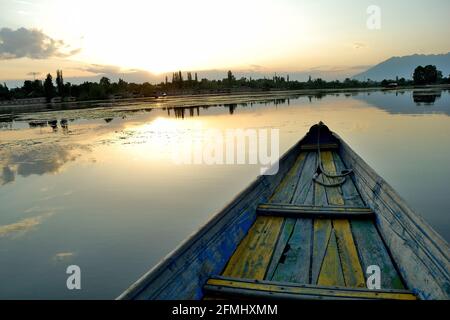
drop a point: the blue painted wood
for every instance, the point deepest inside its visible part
(285, 235)
(295, 263)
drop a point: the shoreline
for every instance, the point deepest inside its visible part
(90, 104)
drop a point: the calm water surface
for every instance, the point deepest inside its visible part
(100, 189)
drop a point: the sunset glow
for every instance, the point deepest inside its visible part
(262, 36)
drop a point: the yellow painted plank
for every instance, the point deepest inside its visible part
(334, 195)
(252, 257)
(311, 290)
(285, 190)
(331, 270)
(321, 238)
(351, 266)
(320, 196)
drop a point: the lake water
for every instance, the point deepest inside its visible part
(100, 189)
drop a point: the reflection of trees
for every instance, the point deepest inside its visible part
(64, 125)
(8, 175)
(279, 101)
(50, 123)
(427, 98)
(39, 159)
(181, 112)
(231, 107)
(410, 103)
(38, 123)
(53, 124)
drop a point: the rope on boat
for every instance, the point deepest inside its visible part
(343, 175)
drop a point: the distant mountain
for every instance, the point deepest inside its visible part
(403, 67)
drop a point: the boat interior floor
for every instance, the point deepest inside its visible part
(311, 241)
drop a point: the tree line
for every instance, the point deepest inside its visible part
(190, 83)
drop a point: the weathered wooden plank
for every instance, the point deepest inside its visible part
(286, 188)
(285, 234)
(349, 192)
(321, 237)
(324, 257)
(309, 201)
(300, 214)
(241, 288)
(351, 266)
(334, 194)
(302, 211)
(331, 273)
(369, 244)
(323, 146)
(305, 179)
(373, 252)
(320, 195)
(296, 261)
(303, 207)
(252, 257)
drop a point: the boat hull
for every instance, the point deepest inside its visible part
(420, 254)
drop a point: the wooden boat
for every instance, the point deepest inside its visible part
(311, 231)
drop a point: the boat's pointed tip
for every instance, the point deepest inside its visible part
(320, 124)
(322, 130)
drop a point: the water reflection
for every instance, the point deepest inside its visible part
(115, 215)
(23, 226)
(63, 123)
(36, 159)
(44, 158)
(425, 97)
(392, 101)
(409, 102)
(182, 111)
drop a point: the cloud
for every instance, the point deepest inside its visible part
(114, 73)
(39, 159)
(358, 45)
(101, 69)
(256, 67)
(31, 43)
(23, 225)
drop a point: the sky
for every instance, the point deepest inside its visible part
(147, 38)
